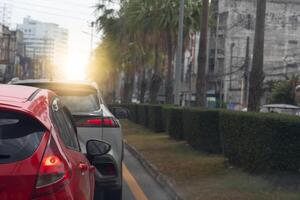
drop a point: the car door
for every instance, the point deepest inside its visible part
(82, 182)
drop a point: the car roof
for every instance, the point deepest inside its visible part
(286, 106)
(28, 100)
(17, 94)
(47, 81)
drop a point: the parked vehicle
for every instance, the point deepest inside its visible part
(281, 108)
(40, 156)
(93, 121)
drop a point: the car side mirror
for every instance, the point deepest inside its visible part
(97, 148)
(120, 113)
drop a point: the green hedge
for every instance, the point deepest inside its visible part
(254, 141)
(155, 118)
(133, 112)
(142, 113)
(174, 123)
(261, 142)
(201, 130)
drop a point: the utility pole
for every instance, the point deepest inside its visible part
(202, 57)
(179, 63)
(246, 75)
(244, 101)
(8, 56)
(257, 73)
(92, 36)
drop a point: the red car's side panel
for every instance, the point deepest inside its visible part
(82, 181)
(81, 176)
(18, 179)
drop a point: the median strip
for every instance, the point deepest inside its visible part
(196, 176)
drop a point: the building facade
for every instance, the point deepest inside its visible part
(46, 44)
(5, 12)
(12, 56)
(234, 45)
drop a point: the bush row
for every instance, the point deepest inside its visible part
(254, 141)
(261, 142)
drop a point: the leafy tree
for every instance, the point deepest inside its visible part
(143, 37)
(284, 92)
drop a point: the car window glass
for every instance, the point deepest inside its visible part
(81, 103)
(20, 135)
(65, 131)
(71, 127)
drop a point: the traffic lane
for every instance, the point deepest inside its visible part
(138, 184)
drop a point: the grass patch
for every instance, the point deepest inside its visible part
(200, 176)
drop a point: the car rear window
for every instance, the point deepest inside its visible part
(20, 136)
(86, 103)
(77, 97)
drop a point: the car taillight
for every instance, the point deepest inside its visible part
(54, 171)
(106, 122)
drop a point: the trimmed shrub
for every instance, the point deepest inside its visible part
(201, 130)
(133, 112)
(142, 114)
(174, 122)
(165, 108)
(261, 142)
(155, 118)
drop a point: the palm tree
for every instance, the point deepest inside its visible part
(202, 57)
(149, 28)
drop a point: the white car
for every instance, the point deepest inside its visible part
(281, 108)
(93, 121)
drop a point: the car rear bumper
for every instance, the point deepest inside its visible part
(108, 181)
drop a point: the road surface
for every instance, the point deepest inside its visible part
(138, 184)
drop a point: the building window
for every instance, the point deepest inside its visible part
(293, 42)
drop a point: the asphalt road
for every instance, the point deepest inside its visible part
(138, 184)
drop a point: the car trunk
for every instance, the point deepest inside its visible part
(18, 179)
(22, 144)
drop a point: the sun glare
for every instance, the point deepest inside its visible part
(76, 68)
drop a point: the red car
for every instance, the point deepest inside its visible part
(40, 156)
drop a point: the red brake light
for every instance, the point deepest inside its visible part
(54, 171)
(93, 121)
(52, 161)
(98, 122)
(108, 122)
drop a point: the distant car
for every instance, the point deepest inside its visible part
(40, 156)
(281, 108)
(93, 121)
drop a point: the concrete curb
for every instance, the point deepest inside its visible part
(162, 180)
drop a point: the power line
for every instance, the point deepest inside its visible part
(52, 14)
(49, 7)
(69, 3)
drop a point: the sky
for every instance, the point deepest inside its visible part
(75, 15)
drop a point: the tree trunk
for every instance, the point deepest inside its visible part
(128, 86)
(156, 78)
(202, 57)
(169, 85)
(143, 86)
(257, 73)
